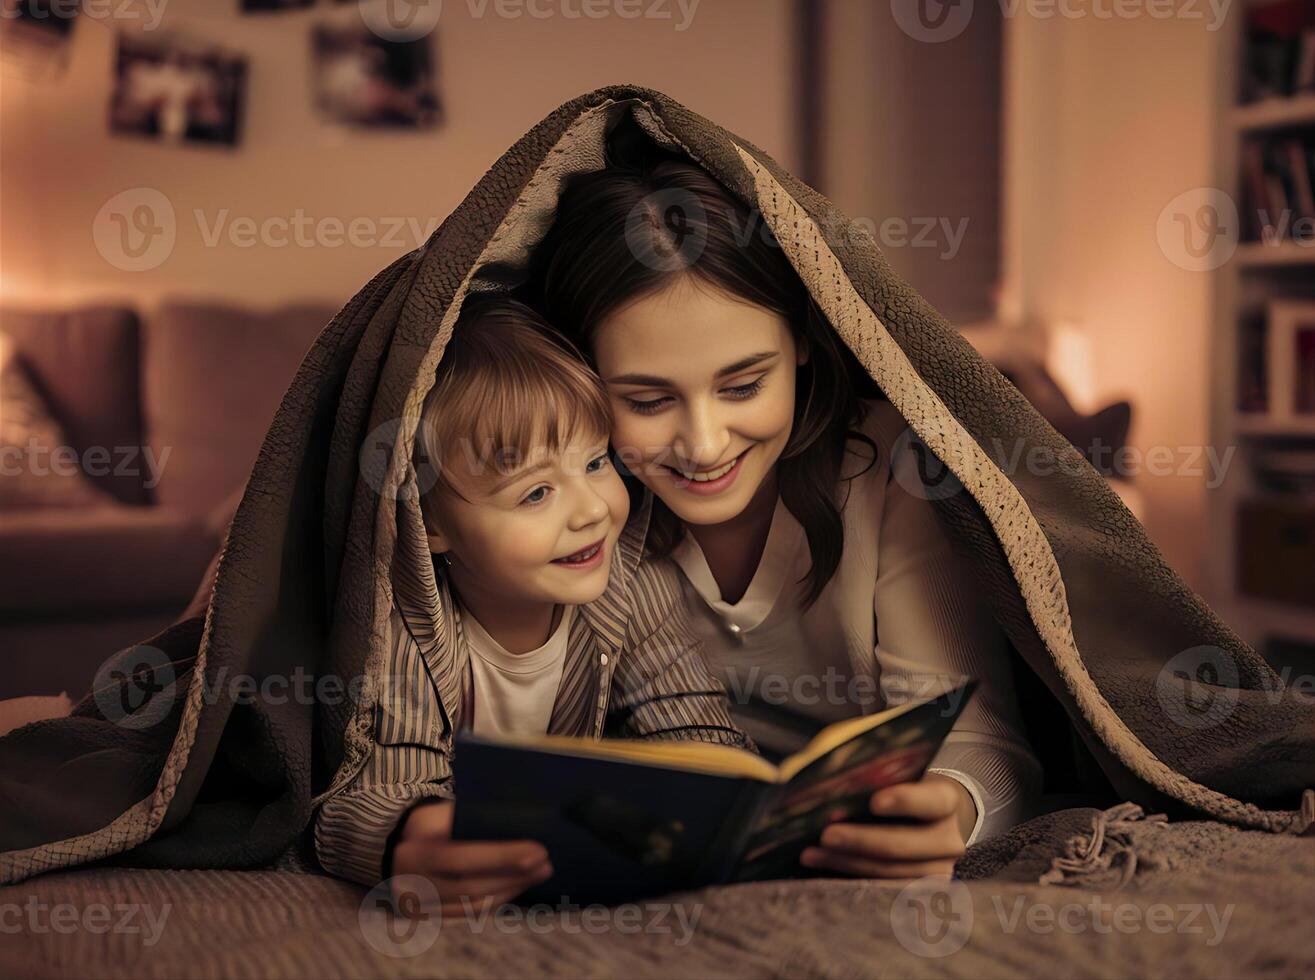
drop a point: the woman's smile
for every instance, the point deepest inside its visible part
(708, 481)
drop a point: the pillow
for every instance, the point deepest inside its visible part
(37, 466)
(17, 712)
(1099, 436)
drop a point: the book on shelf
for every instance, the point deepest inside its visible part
(1299, 171)
(1252, 363)
(1277, 175)
(1278, 59)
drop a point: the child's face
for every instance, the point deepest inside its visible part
(545, 533)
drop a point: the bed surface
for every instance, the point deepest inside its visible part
(1205, 900)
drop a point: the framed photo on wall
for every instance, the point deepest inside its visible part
(177, 91)
(366, 81)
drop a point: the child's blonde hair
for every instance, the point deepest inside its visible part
(507, 385)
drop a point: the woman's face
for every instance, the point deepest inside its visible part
(702, 387)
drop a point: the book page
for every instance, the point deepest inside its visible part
(704, 757)
(855, 760)
(834, 736)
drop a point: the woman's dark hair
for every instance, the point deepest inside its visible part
(651, 217)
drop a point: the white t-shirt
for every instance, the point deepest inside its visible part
(515, 692)
(900, 619)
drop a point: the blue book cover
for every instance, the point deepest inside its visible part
(623, 820)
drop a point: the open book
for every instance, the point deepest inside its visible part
(624, 819)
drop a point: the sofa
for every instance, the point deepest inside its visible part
(165, 413)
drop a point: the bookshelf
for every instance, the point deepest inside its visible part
(1279, 112)
(1259, 427)
(1260, 277)
(1256, 254)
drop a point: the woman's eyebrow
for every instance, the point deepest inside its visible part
(744, 363)
(652, 380)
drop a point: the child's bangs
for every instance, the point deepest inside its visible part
(521, 420)
(496, 420)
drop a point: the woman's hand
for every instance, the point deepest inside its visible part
(942, 815)
(476, 871)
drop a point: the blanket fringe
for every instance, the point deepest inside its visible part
(1104, 855)
(1305, 826)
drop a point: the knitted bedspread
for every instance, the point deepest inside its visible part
(1202, 899)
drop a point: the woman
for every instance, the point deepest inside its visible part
(814, 567)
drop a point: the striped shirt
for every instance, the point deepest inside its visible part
(634, 669)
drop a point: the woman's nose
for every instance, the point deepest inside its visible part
(703, 438)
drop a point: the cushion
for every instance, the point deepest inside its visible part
(38, 467)
(85, 364)
(17, 712)
(108, 557)
(213, 376)
(1099, 436)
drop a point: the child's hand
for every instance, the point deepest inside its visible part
(478, 871)
(944, 815)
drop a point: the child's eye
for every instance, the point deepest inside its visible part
(647, 406)
(598, 464)
(535, 496)
(746, 391)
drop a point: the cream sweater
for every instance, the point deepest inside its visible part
(900, 619)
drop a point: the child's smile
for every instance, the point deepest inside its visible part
(586, 558)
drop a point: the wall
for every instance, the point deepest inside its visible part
(498, 76)
(913, 146)
(1107, 121)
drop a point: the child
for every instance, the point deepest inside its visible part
(525, 519)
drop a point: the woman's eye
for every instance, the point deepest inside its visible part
(747, 390)
(647, 406)
(598, 464)
(535, 496)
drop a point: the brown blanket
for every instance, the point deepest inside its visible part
(170, 764)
